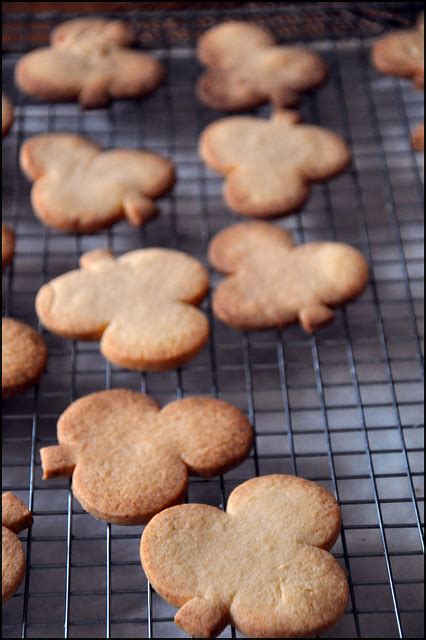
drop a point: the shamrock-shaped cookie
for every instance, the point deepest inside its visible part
(263, 565)
(418, 137)
(23, 356)
(401, 54)
(129, 460)
(7, 245)
(6, 115)
(79, 188)
(245, 68)
(270, 164)
(88, 60)
(273, 283)
(141, 306)
(15, 517)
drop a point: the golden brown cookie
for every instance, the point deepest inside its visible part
(245, 68)
(401, 54)
(15, 518)
(7, 245)
(273, 283)
(81, 189)
(6, 115)
(129, 460)
(140, 305)
(88, 60)
(262, 566)
(269, 165)
(418, 137)
(23, 356)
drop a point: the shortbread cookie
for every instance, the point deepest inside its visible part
(270, 164)
(418, 137)
(129, 460)
(15, 518)
(88, 60)
(401, 54)
(141, 306)
(23, 356)
(6, 115)
(81, 189)
(7, 245)
(245, 68)
(262, 566)
(273, 283)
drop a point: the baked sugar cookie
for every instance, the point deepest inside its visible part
(23, 356)
(245, 68)
(262, 566)
(418, 137)
(81, 189)
(140, 305)
(273, 283)
(401, 54)
(269, 165)
(129, 460)
(7, 245)
(89, 60)
(15, 518)
(6, 115)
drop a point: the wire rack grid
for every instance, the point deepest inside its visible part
(343, 408)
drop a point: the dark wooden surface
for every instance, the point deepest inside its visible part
(75, 7)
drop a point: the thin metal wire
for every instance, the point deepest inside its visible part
(287, 414)
(353, 368)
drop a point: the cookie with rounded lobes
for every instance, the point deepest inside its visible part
(80, 189)
(23, 357)
(401, 54)
(6, 115)
(7, 245)
(89, 60)
(141, 306)
(263, 565)
(129, 459)
(269, 165)
(245, 68)
(273, 283)
(418, 137)
(15, 518)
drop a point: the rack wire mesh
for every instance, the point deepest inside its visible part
(343, 408)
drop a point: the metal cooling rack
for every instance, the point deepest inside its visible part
(343, 408)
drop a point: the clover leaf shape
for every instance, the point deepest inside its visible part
(89, 60)
(140, 306)
(263, 565)
(79, 188)
(269, 165)
(129, 460)
(271, 282)
(401, 53)
(245, 68)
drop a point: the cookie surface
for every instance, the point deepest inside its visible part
(129, 459)
(88, 60)
(79, 188)
(245, 68)
(7, 245)
(273, 283)
(6, 115)
(401, 54)
(418, 137)
(140, 305)
(269, 165)
(15, 518)
(23, 356)
(263, 565)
